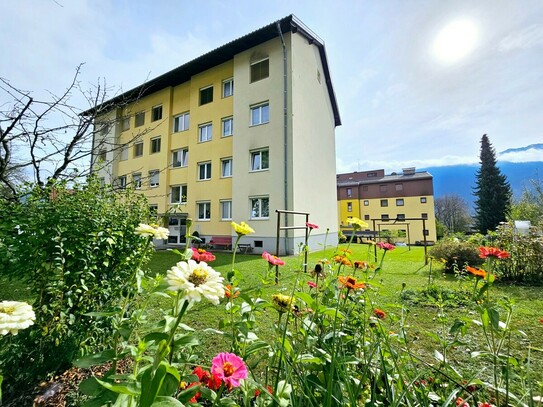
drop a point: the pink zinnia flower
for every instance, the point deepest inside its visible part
(385, 246)
(485, 252)
(311, 225)
(273, 260)
(229, 368)
(202, 255)
(312, 284)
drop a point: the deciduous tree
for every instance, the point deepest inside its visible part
(452, 211)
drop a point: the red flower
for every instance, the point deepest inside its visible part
(201, 255)
(273, 260)
(385, 246)
(541, 320)
(230, 292)
(461, 403)
(485, 252)
(311, 225)
(312, 284)
(379, 313)
(485, 404)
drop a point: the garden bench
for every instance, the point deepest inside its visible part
(245, 248)
(224, 242)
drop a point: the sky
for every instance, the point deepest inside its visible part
(417, 82)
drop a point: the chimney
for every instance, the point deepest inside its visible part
(408, 171)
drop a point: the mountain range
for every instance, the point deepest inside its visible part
(460, 179)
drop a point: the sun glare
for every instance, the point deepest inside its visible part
(455, 41)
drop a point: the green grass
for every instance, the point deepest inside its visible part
(402, 267)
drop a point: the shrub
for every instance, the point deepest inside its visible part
(456, 254)
(76, 251)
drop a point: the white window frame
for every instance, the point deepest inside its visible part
(252, 80)
(136, 180)
(154, 182)
(156, 109)
(227, 83)
(156, 144)
(226, 204)
(184, 157)
(261, 118)
(207, 210)
(260, 200)
(205, 132)
(253, 162)
(181, 122)
(182, 192)
(200, 95)
(122, 182)
(227, 125)
(207, 171)
(226, 166)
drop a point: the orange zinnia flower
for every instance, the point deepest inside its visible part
(477, 272)
(351, 283)
(360, 265)
(230, 292)
(343, 260)
(379, 313)
(485, 252)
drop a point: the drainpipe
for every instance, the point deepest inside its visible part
(285, 133)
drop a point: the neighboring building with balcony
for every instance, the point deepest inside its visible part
(399, 203)
(235, 134)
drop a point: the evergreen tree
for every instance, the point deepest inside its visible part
(492, 191)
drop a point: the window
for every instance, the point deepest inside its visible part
(138, 149)
(204, 210)
(372, 174)
(399, 202)
(400, 216)
(423, 199)
(366, 202)
(226, 210)
(228, 88)
(153, 209)
(384, 216)
(424, 215)
(227, 126)
(384, 202)
(126, 123)
(204, 132)
(260, 70)
(104, 129)
(260, 114)
(206, 95)
(399, 187)
(258, 243)
(154, 178)
(426, 232)
(349, 192)
(204, 171)
(260, 208)
(383, 188)
(124, 152)
(178, 194)
(366, 217)
(102, 155)
(122, 181)
(349, 206)
(102, 181)
(155, 145)
(181, 122)
(136, 180)
(226, 167)
(260, 160)
(180, 158)
(139, 119)
(156, 113)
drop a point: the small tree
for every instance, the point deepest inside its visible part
(452, 211)
(492, 191)
(530, 205)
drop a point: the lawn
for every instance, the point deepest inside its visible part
(404, 271)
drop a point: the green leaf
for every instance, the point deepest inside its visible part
(151, 382)
(165, 401)
(494, 318)
(305, 297)
(96, 359)
(131, 389)
(255, 347)
(156, 336)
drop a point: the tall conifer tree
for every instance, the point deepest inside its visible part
(492, 191)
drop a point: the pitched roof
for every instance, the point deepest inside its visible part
(225, 53)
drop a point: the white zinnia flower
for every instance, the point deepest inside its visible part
(15, 316)
(196, 280)
(152, 230)
(283, 393)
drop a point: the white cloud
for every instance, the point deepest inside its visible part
(522, 156)
(397, 165)
(526, 38)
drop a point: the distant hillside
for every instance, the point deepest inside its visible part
(460, 179)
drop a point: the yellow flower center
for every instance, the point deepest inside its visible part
(198, 277)
(228, 369)
(4, 309)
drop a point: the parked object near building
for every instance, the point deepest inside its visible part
(234, 134)
(397, 207)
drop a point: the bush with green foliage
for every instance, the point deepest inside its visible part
(456, 254)
(76, 250)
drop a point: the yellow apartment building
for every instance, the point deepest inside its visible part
(235, 134)
(400, 203)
